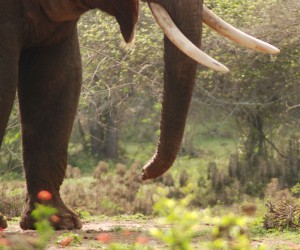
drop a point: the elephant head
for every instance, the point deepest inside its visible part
(181, 22)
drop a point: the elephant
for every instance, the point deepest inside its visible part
(40, 61)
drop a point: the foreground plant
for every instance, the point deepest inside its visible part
(183, 220)
(4, 244)
(44, 216)
(230, 232)
(68, 238)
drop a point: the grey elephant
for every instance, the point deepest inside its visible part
(40, 60)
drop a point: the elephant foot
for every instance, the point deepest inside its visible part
(65, 219)
(3, 223)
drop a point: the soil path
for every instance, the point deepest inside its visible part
(125, 232)
(129, 232)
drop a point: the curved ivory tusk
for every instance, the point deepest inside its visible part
(227, 30)
(181, 41)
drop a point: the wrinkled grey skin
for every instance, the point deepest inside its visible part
(40, 60)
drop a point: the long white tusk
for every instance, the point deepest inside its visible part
(181, 41)
(227, 30)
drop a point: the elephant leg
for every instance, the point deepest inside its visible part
(9, 61)
(50, 82)
(8, 83)
(3, 223)
(10, 47)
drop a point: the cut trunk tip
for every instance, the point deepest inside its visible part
(153, 170)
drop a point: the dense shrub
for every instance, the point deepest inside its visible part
(283, 210)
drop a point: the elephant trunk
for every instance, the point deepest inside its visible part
(179, 80)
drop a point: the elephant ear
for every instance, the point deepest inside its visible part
(127, 15)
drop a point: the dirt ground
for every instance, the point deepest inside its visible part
(130, 232)
(121, 231)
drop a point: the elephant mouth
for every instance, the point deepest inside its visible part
(213, 21)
